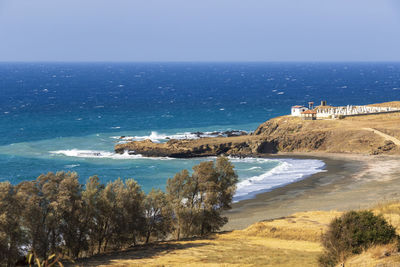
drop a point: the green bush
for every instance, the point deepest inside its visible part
(352, 233)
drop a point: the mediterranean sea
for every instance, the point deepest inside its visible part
(68, 116)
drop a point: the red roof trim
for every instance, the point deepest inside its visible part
(309, 112)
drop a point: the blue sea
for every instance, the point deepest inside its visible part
(69, 116)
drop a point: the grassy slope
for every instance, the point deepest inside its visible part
(290, 241)
(349, 135)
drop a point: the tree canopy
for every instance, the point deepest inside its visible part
(55, 214)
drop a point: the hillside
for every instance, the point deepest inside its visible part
(367, 134)
(290, 241)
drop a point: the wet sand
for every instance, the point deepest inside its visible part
(351, 181)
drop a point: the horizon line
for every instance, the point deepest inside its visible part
(195, 62)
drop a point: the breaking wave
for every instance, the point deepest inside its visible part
(288, 171)
(159, 137)
(71, 166)
(99, 154)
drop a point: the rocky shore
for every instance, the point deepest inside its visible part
(373, 134)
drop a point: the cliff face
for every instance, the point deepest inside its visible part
(364, 134)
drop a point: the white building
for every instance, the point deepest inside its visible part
(297, 110)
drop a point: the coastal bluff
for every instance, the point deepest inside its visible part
(368, 134)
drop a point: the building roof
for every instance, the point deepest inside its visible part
(309, 112)
(324, 107)
(298, 107)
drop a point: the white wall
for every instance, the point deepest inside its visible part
(297, 111)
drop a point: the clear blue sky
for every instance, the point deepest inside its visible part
(201, 30)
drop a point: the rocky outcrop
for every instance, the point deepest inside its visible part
(388, 146)
(193, 148)
(282, 134)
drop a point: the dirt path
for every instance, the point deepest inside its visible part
(386, 136)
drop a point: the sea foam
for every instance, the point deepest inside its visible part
(160, 137)
(287, 171)
(79, 153)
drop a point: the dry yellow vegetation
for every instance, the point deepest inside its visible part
(289, 241)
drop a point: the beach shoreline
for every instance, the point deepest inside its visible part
(351, 181)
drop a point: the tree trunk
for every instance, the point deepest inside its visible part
(148, 236)
(105, 245)
(99, 245)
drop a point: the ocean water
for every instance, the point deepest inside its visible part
(68, 116)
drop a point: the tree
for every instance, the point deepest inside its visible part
(95, 219)
(117, 211)
(199, 200)
(72, 211)
(39, 215)
(158, 215)
(55, 214)
(129, 219)
(106, 208)
(12, 237)
(227, 180)
(176, 196)
(217, 185)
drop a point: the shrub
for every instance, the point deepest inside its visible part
(352, 233)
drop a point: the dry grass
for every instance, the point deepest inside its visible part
(306, 226)
(383, 256)
(289, 241)
(229, 249)
(393, 104)
(391, 211)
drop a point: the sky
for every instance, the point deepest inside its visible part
(202, 30)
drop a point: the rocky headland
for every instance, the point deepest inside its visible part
(368, 134)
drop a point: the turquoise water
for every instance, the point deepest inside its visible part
(69, 116)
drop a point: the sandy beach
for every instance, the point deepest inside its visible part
(351, 181)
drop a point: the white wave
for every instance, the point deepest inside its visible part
(251, 160)
(254, 168)
(71, 166)
(288, 171)
(93, 154)
(78, 153)
(159, 137)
